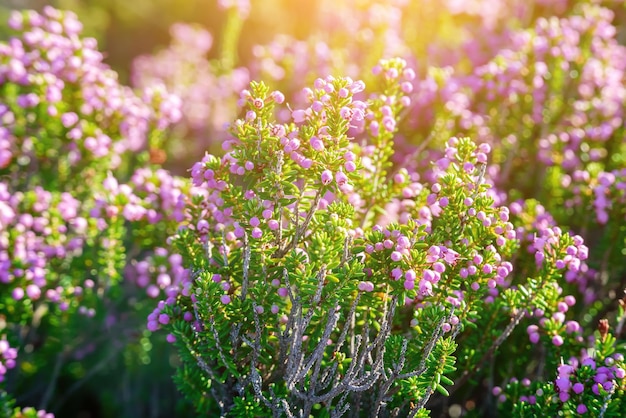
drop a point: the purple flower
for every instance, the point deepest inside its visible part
(327, 177)
(298, 115)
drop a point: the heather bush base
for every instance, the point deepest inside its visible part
(369, 236)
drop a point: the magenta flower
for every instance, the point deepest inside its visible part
(298, 115)
(327, 177)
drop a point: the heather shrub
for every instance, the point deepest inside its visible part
(68, 227)
(326, 280)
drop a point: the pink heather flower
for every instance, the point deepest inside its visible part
(327, 177)
(581, 409)
(18, 293)
(399, 178)
(316, 143)
(396, 273)
(408, 74)
(259, 310)
(282, 292)
(429, 275)
(563, 383)
(406, 87)
(254, 221)
(425, 288)
(274, 309)
(153, 291)
(539, 257)
(350, 166)
(409, 284)
(258, 103)
(257, 233)
(557, 340)
(357, 86)
(451, 256)
(298, 115)
(365, 286)
(403, 242)
(273, 224)
(341, 178)
(502, 272)
(534, 337)
(225, 299)
(439, 267)
(389, 123)
(396, 256)
(446, 327)
(33, 291)
(278, 97)
(374, 128)
(164, 319)
(170, 338)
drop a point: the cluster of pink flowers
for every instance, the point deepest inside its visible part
(39, 231)
(7, 357)
(151, 195)
(185, 70)
(160, 272)
(578, 381)
(53, 65)
(522, 82)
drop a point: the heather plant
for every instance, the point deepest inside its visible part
(68, 227)
(325, 279)
(541, 98)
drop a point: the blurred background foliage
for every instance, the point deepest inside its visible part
(345, 37)
(127, 29)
